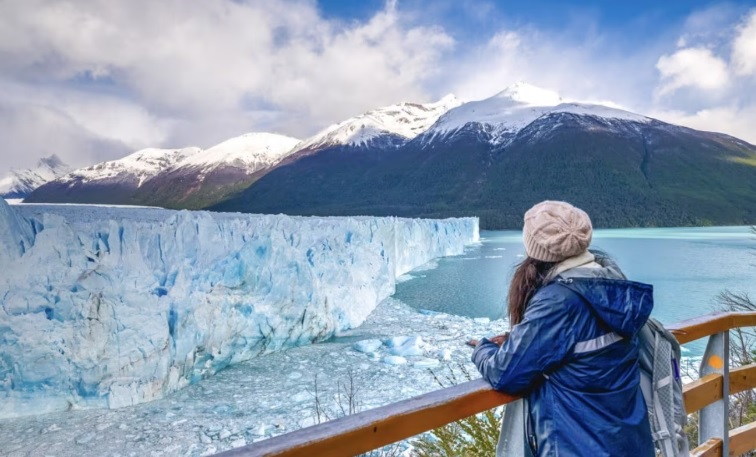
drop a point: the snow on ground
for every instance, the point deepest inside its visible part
(141, 165)
(266, 396)
(252, 151)
(516, 107)
(405, 120)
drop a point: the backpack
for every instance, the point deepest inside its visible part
(659, 356)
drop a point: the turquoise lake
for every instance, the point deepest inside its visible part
(688, 268)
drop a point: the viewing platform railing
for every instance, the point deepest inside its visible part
(369, 430)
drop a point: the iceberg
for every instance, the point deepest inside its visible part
(109, 307)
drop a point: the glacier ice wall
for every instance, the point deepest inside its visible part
(108, 308)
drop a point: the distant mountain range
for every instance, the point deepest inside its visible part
(20, 183)
(492, 158)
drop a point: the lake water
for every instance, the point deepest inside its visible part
(688, 268)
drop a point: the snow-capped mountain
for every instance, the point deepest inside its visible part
(20, 183)
(503, 115)
(251, 152)
(135, 168)
(403, 121)
(194, 178)
(495, 158)
(149, 176)
(212, 174)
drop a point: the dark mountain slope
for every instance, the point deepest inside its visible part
(625, 173)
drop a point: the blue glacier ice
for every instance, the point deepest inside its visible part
(108, 307)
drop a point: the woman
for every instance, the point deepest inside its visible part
(572, 351)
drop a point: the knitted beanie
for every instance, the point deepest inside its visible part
(555, 231)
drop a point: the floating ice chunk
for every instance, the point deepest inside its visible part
(394, 360)
(367, 346)
(409, 350)
(406, 345)
(482, 320)
(394, 341)
(425, 363)
(404, 278)
(295, 375)
(445, 354)
(239, 442)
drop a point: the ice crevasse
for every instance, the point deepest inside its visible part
(102, 311)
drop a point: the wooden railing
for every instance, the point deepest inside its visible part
(352, 435)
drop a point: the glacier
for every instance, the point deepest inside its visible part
(109, 307)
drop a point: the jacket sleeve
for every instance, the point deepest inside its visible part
(536, 346)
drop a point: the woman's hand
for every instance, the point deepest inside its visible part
(497, 340)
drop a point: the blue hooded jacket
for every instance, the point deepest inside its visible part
(574, 357)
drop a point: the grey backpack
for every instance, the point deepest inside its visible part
(659, 357)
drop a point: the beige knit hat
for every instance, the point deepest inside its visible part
(554, 231)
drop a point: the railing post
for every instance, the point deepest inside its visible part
(713, 420)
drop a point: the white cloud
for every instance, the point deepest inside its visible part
(744, 47)
(586, 70)
(34, 131)
(93, 78)
(692, 67)
(199, 71)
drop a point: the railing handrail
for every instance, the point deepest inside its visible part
(375, 428)
(387, 424)
(710, 324)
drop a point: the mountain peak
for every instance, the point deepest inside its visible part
(448, 100)
(529, 95)
(253, 151)
(405, 120)
(517, 106)
(53, 161)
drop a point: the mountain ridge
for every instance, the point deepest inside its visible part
(192, 178)
(491, 158)
(625, 169)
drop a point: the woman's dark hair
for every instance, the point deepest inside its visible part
(528, 277)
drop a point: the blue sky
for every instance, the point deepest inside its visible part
(95, 80)
(638, 21)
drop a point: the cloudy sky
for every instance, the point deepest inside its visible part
(93, 80)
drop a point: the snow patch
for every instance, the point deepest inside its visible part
(253, 151)
(405, 120)
(367, 346)
(506, 113)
